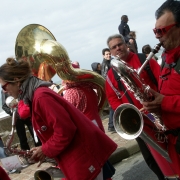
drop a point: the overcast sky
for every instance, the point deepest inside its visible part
(81, 26)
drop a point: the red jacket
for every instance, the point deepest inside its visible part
(170, 87)
(135, 63)
(170, 106)
(80, 148)
(3, 174)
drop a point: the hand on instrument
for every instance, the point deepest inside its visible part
(155, 105)
(38, 155)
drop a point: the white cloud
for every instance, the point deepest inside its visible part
(81, 26)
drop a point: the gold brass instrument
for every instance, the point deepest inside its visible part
(37, 45)
(128, 120)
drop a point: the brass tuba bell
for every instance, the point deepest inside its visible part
(38, 46)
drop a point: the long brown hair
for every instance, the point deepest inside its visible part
(15, 69)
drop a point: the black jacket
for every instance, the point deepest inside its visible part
(105, 66)
(94, 67)
(124, 30)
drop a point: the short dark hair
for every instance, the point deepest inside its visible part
(171, 6)
(124, 17)
(104, 50)
(146, 49)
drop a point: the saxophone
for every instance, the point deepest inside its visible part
(128, 120)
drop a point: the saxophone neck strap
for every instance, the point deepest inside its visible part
(121, 86)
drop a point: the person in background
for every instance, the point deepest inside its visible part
(146, 49)
(118, 47)
(79, 147)
(132, 41)
(82, 95)
(167, 98)
(76, 64)
(20, 125)
(106, 65)
(124, 28)
(96, 67)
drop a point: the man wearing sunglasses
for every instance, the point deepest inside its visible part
(167, 101)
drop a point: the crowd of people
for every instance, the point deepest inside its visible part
(77, 138)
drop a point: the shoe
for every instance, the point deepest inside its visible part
(111, 129)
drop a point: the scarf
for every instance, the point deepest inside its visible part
(26, 94)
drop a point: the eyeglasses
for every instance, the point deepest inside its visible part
(164, 30)
(117, 45)
(4, 86)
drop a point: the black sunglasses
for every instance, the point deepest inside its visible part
(4, 86)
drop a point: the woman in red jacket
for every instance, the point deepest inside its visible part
(79, 147)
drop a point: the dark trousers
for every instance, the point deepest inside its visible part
(21, 132)
(149, 159)
(110, 123)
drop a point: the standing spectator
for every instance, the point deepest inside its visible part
(106, 65)
(114, 84)
(124, 28)
(20, 125)
(96, 67)
(132, 41)
(167, 99)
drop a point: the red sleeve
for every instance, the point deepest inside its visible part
(155, 67)
(3, 174)
(171, 103)
(61, 128)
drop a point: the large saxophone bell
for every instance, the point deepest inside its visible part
(42, 175)
(128, 121)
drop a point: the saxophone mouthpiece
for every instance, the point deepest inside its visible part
(156, 48)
